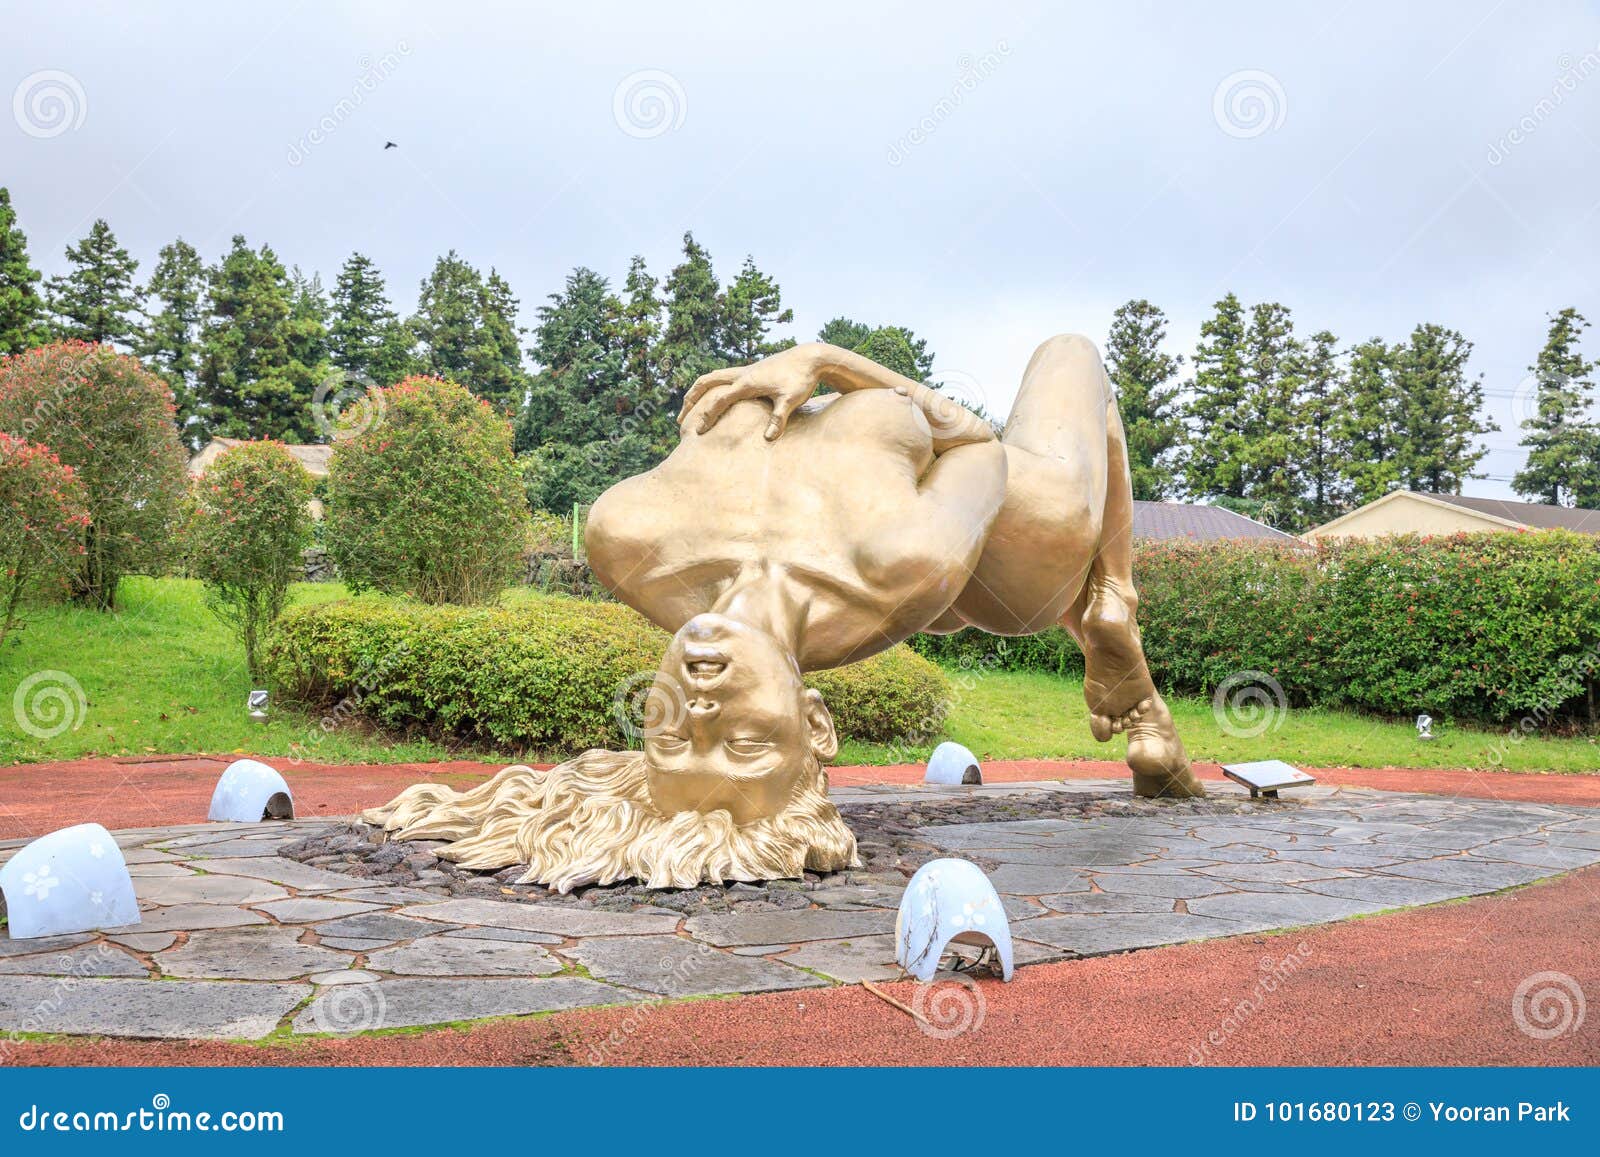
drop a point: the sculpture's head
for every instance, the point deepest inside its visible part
(731, 725)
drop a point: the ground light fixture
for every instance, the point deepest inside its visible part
(248, 792)
(947, 901)
(72, 880)
(952, 763)
(1267, 777)
(256, 706)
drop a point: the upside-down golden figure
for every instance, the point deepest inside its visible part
(786, 534)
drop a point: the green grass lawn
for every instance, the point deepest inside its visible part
(162, 676)
(1020, 715)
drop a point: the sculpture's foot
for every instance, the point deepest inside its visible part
(1116, 682)
(1122, 698)
(1156, 755)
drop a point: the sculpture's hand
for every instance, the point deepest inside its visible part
(786, 380)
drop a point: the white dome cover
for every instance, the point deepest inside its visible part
(249, 792)
(949, 900)
(72, 880)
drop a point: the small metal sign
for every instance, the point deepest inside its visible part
(1266, 777)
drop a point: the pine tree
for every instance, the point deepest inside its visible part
(888, 347)
(1440, 411)
(448, 317)
(690, 343)
(250, 385)
(1270, 453)
(496, 371)
(1316, 428)
(308, 368)
(21, 308)
(169, 341)
(752, 305)
(366, 339)
(1562, 442)
(99, 299)
(1142, 374)
(581, 391)
(1367, 422)
(640, 335)
(1213, 460)
(844, 333)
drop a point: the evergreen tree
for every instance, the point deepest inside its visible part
(1142, 374)
(467, 326)
(98, 299)
(1316, 428)
(1270, 452)
(888, 347)
(844, 333)
(581, 390)
(251, 383)
(1213, 460)
(366, 339)
(308, 368)
(1562, 442)
(169, 341)
(1367, 422)
(21, 308)
(690, 345)
(496, 371)
(752, 305)
(447, 318)
(641, 358)
(1440, 411)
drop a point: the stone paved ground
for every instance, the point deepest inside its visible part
(247, 943)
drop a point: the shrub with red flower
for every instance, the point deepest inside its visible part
(111, 420)
(424, 496)
(42, 525)
(245, 535)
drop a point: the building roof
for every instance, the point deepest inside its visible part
(1169, 520)
(314, 457)
(1511, 515)
(1535, 515)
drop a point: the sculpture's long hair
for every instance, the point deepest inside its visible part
(590, 821)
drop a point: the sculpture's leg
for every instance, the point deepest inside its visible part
(1117, 684)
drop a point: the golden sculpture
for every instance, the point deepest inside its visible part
(786, 534)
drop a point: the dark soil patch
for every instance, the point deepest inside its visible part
(887, 834)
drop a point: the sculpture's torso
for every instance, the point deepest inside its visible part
(833, 504)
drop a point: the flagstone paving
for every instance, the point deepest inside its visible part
(238, 942)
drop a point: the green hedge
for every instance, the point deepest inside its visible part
(541, 675)
(1486, 627)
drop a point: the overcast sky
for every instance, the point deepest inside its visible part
(987, 174)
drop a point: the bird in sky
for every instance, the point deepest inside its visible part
(387, 145)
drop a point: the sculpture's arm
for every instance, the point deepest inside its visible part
(788, 379)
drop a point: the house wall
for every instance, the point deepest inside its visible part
(1406, 516)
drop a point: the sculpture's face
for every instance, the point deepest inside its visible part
(738, 730)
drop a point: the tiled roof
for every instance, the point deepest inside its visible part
(1166, 520)
(1531, 514)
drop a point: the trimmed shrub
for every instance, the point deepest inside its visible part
(424, 497)
(1210, 609)
(1485, 627)
(244, 537)
(42, 523)
(111, 420)
(894, 694)
(543, 675)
